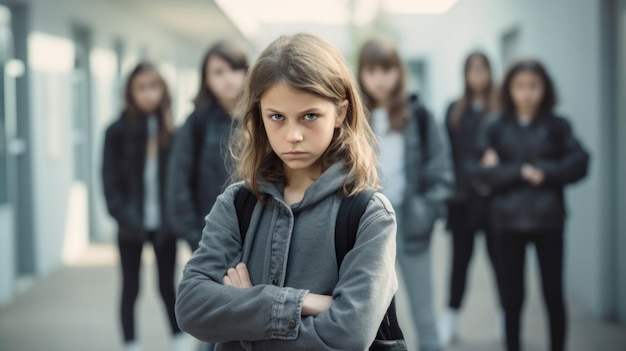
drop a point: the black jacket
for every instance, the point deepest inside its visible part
(547, 143)
(122, 174)
(198, 170)
(463, 138)
(468, 207)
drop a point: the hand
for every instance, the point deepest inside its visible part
(314, 304)
(238, 277)
(532, 174)
(490, 158)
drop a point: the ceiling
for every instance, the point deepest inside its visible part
(200, 21)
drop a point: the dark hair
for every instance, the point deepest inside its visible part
(227, 51)
(549, 99)
(163, 111)
(468, 94)
(382, 52)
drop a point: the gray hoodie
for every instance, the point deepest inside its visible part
(290, 251)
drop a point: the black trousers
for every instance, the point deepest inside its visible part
(549, 248)
(130, 254)
(465, 222)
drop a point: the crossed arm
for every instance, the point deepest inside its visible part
(312, 304)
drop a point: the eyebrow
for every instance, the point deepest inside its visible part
(309, 110)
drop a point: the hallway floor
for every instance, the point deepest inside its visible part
(75, 309)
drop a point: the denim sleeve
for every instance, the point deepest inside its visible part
(211, 311)
(367, 283)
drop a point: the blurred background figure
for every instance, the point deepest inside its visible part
(468, 208)
(529, 155)
(415, 173)
(136, 152)
(198, 165)
(198, 168)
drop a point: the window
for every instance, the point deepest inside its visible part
(510, 45)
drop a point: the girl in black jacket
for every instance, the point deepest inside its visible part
(134, 167)
(468, 208)
(198, 168)
(529, 156)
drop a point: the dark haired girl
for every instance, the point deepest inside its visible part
(198, 170)
(468, 208)
(135, 159)
(530, 155)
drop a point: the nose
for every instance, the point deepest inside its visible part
(294, 134)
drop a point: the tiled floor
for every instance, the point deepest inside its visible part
(75, 309)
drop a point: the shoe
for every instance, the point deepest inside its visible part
(132, 345)
(449, 327)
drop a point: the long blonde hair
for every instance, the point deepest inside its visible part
(310, 64)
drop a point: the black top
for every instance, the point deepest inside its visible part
(198, 169)
(122, 172)
(547, 143)
(463, 138)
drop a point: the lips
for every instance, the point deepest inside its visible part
(295, 153)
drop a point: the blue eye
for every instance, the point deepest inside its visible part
(310, 116)
(276, 117)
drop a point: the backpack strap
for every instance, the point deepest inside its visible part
(347, 224)
(198, 135)
(421, 114)
(349, 216)
(244, 206)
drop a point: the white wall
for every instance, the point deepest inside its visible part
(61, 231)
(7, 258)
(565, 35)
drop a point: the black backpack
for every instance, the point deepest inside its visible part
(389, 336)
(419, 111)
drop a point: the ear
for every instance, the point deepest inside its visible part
(342, 110)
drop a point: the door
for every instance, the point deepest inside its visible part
(510, 46)
(81, 119)
(16, 236)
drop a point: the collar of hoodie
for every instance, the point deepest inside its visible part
(326, 185)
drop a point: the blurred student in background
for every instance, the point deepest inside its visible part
(198, 168)
(468, 207)
(416, 174)
(135, 160)
(529, 154)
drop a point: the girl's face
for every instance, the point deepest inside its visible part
(477, 75)
(378, 82)
(527, 90)
(147, 91)
(299, 125)
(225, 82)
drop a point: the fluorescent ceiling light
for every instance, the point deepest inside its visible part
(249, 15)
(418, 6)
